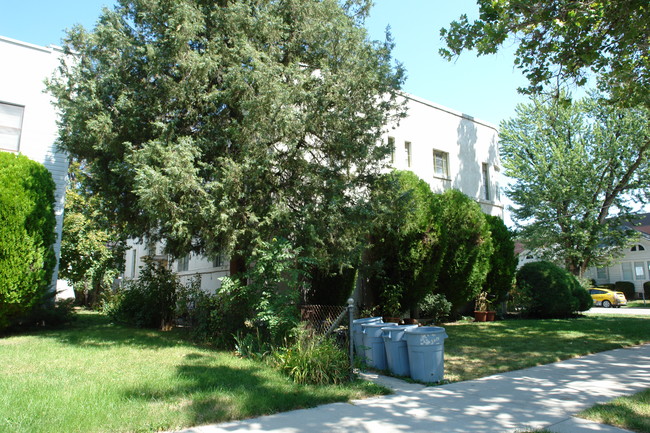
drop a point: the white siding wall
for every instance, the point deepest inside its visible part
(615, 272)
(24, 69)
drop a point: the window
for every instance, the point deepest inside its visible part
(602, 274)
(637, 248)
(486, 181)
(183, 263)
(218, 261)
(627, 271)
(440, 164)
(391, 147)
(134, 258)
(407, 153)
(11, 123)
(639, 272)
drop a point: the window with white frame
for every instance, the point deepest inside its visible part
(407, 154)
(440, 164)
(485, 171)
(391, 146)
(626, 267)
(602, 273)
(637, 248)
(183, 263)
(11, 124)
(219, 260)
(639, 271)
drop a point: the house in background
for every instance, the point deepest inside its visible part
(28, 120)
(634, 264)
(446, 148)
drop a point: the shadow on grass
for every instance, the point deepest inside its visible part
(208, 393)
(96, 330)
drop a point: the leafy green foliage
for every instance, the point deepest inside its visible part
(216, 125)
(552, 291)
(565, 39)
(400, 265)
(92, 246)
(149, 301)
(626, 287)
(312, 361)
(332, 286)
(573, 164)
(464, 248)
(26, 235)
(434, 306)
(503, 262)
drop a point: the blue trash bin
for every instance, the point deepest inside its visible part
(373, 343)
(426, 352)
(357, 335)
(397, 356)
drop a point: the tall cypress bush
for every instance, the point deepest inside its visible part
(464, 249)
(503, 261)
(27, 234)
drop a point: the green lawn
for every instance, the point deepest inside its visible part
(630, 413)
(638, 304)
(476, 350)
(97, 377)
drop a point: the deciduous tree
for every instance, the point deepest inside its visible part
(565, 39)
(577, 168)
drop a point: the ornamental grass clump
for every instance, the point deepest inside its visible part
(311, 360)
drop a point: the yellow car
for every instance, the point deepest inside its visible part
(607, 298)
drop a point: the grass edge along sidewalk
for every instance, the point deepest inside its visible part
(97, 377)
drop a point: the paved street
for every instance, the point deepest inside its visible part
(623, 311)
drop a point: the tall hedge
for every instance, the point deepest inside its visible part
(400, 265)
(27, 234)
(464, 249)
(503, 261)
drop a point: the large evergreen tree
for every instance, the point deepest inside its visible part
(219, 124)
(577, 168)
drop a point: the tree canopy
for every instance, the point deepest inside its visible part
(566, 39)
(92, 245)
(214, 125)
(577, 169)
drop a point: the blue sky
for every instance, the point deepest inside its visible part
(484, 87)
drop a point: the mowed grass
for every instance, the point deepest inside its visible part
(630, 413)
(98, 377)
(476, 350)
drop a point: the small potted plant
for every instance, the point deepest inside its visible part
(391, 305)
(481, 307)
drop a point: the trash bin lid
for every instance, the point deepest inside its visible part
(425, 335)
(367, 320)
(375, 329)
(395, 333)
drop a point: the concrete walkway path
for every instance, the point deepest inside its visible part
(535, 398)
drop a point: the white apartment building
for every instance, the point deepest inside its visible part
(446, 148)
(28, 120)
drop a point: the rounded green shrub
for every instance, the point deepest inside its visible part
(626, 287)
(149, 301)
(27, 234)
(552, 292)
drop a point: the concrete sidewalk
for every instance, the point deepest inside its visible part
(534, 398)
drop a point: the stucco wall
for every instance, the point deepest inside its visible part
(468, 142)
(24, 69)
